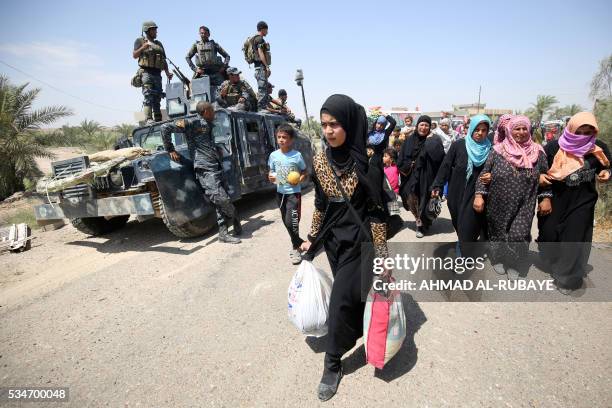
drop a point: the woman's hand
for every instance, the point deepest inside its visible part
(272, 178)
(545, 207)
(485, 178)
(478, 203)
(603, 176)
(545, 180)
(305, 246)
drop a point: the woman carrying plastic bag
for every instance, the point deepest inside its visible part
(349, 211)
(308, 305)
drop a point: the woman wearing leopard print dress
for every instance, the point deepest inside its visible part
(341, 230)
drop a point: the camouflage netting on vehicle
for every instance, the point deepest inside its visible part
(129, 153)
(101, 164)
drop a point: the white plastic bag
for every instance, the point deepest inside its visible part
(308, 306)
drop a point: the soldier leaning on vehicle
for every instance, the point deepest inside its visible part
(207, 165)
(279, 106)
(236, 93)
(205, 50)
(152, 60)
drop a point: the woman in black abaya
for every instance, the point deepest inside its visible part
(418, 162)
(576, 160)
(341, 231)
(461, 168)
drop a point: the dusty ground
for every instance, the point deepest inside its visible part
(139, 318)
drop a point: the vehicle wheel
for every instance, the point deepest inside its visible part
(191, 229)
(99, 225)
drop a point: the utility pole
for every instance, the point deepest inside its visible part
(478, 106)
(299, 79)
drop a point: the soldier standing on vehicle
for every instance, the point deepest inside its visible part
(207, 165)
(236, 93)
(262, 61)
(207, 62)
(152, 60)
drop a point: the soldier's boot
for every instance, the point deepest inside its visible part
(148, 113)
(224, 235)
(236, 223)
(157, 115)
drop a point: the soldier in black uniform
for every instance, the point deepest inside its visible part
(207, 165)
(207, 62)
(262, 63)
(152, 60)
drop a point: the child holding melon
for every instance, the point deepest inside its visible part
(288, 170)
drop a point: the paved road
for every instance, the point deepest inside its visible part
(138, 319)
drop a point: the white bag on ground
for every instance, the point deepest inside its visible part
(308, 306)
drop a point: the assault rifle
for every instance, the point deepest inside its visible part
(179, 74)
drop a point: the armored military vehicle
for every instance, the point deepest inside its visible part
(156, 186)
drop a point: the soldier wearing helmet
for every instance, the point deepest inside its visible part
(152, 60)
(207, 62)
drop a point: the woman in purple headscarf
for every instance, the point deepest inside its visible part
(515, 164)
(576, 160)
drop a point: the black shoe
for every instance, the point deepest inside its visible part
(420, 232)
(561, 289)
(329, 384)
(224, 236)
(237, 226)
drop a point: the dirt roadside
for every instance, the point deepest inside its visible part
(138, 318)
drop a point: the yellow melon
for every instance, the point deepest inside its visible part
(293, 178)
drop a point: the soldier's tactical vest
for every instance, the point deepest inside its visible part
(154, 56)
(234, 92)
(207, 53)
(266, 52)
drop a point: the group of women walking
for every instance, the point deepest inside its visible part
(496, 184)
(493, 190)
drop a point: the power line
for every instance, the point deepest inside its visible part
(63, 92)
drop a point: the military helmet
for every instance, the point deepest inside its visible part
(148, 24)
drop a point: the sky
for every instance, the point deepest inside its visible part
(386, 53)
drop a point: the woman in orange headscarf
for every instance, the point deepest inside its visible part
(576, 160)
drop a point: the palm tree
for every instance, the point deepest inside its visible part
(124, 129)
(573, 109)
(543, 105)
(601, 85)
(90, 127)
(20, 139)
(568, 110)
(102, 141)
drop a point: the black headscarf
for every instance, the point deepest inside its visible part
(353, 119)
(419, 140)
(423, 118)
